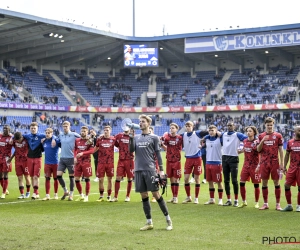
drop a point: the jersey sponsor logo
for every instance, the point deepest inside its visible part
(19, 145)
(269, 143)
(106, 145)
(295, 148)
(124, 140)
(143, 144)
(3, 144)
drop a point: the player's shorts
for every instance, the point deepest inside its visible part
(50, 169)
(105, 168)
(21, 168)
(84, 168)
(269, 169)
(248, 172)
(125, 168)
(34, 166)
(174, 169)
(193, 165)
(66, 163)
(144, 181)
(214, 172)
(293, 176)
(4, 167)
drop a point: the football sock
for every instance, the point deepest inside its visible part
(72, 184)
(243, 191)
(47, 185)
(256, 192)
(62, 182)
(117, 188)
(277, 193)
(265, 194)
(78, 186)
(220, 192)
(176, 189)
(212, 193)
(55, 185)
(163, 206)
(129, 186)
(197, 190)
(147, 208)
(87, 186)
(21, 188)
(187, 189)
(288, 195)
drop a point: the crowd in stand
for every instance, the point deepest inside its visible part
(49, 100)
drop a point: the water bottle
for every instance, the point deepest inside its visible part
(280, 174)
(241, 146)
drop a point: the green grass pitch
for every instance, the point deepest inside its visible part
(57, 224)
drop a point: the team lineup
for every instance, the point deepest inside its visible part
(140, 160)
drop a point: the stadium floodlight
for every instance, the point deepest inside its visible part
(108, 58)
(56, 35)
(161, 48)
(216, 55)
(266, 52)
(51, 34)
(61, 36)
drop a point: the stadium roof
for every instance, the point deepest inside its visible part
(26, 38)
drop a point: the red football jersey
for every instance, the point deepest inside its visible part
(250, 152)
(21, 150)
(122, 142)
(269, 150)
(106, 149)
(174, 147)
(5, 147)
(82, 146)
(293, 147)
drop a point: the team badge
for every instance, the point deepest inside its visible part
(221, 42)
(274, 136)
(111, 140)
(7, 140)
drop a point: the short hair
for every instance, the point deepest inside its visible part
(189, 123)
(175, 125)
(84, 127)
(212, 127)
(148, 118)
(17, 136)
(151, 128)
(254, 130)
(66, 123)
(49, 130)
(107, 126)
(269, 119)
(34, 124)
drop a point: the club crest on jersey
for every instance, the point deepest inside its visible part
(274, 137)
(36, 138)
(177, 139)
(110, 140)
(7, 140)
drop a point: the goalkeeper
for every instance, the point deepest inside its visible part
(146, 179)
